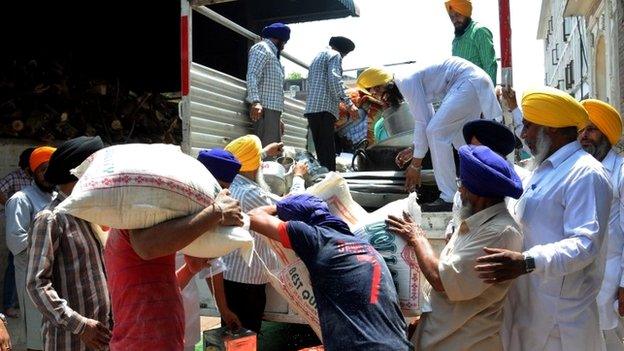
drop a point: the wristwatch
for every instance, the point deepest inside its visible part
(3, 318)
(529, 263)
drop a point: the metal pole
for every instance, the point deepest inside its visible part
(186, 55)
(505, 44)
(386, 65)
(242, 31)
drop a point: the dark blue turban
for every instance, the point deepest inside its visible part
(492, 134)
(485, 173)
(221, 163)
(310, 209)
(276, 30)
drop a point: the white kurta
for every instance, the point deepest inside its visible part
(466, 92)
(563, 214)
(607, 297)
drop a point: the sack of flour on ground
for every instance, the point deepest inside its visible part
(398, 255)
(335, 191)
(136, 186)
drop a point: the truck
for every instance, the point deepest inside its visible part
(214, 112)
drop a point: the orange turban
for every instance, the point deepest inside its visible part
(463, 7)
(605, 118)
(40, 156)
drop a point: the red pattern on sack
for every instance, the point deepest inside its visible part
(142, 180)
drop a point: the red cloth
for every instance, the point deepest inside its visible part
(283, 233)
(147, 305)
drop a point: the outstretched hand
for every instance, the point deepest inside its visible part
(500, 265)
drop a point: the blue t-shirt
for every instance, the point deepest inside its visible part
(356, 298)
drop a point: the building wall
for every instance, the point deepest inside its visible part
(602, 34)
(565, 50)
(589, 45)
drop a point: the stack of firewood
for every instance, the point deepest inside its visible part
(48, 101)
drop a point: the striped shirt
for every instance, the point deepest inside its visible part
(325, 86)
(265, 76)
(251, 196)
(476, 46)
(66, 278)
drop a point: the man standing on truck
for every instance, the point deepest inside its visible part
(265, 83)
(466, 93)
(325, 91)
(472, 41)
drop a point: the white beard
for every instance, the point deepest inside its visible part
(466, 210)
(461, 213)
(542, 148)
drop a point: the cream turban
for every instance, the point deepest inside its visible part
(463, 7)
(605, 118)
(554, 108)
(372, 77)
(248, 150)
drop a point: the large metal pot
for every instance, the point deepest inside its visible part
(398, 120)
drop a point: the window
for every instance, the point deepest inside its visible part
(569, 75)
(554, 55)
(567, 28)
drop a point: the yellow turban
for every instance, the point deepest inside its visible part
(463, 7)
(248, 151)
(554, 108)
(605, 118)
(40, 156)
(372, 77)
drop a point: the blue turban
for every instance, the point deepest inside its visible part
(276, 30)
(485, 173)
(312, 210)
(221, 163)
(492, 134)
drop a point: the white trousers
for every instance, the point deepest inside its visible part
(31, 318)
(460, 105)
(613, 338)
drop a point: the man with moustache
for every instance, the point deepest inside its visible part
(245, 285)
(265, 83)
(472, 41)
(66, 278)
(20, 211)
(466, 312)
(598, 138)
(564, 216)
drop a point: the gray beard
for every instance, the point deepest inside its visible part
(465, 211)
(599, 151)
(542, 148)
